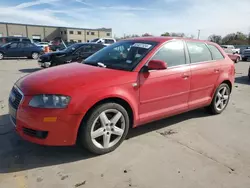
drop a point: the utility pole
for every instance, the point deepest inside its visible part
(199, 31)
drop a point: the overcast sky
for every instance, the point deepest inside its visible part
(134, 16)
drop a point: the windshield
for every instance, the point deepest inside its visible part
(124, 55)
(72, 48)
(94, 40)
(5, 44)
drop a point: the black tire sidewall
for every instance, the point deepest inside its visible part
(213, 106)
(86, 126)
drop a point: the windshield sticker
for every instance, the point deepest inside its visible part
(142, 45)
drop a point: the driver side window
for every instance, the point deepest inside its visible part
(172, 53)
(13, 45)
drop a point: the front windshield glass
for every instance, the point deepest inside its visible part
(6, 44)
(72, 48)
(124, 55)
(94, 40)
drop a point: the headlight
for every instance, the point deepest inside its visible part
(49, 101)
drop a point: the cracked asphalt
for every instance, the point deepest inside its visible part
(189, 150)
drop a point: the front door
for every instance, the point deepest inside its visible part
(165, 92)
(13, 50)
(204, 73)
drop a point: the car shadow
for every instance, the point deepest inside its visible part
(167, 122)
(29, 70)
(242, 80)
(17, 154)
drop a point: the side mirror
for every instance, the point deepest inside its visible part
(157, 65)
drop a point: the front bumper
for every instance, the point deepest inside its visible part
(52, 127)
(44, 64)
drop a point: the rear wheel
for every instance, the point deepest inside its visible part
(34, 55)
(1, 56)
(220, 100)
(105, 128)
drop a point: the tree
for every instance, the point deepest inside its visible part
(215, 38)
(146, 35)
(166, 34)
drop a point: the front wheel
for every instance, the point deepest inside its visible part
(1, 56)
(237, 60)
(105, 128)
(220, 100)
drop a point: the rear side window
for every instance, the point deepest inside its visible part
(198, 52)
(109, 41)
(215, 52)
(172, 53)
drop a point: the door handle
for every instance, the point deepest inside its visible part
(216, 70)
(185, 76)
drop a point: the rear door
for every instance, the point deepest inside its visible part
(205, 70)
(165, 92)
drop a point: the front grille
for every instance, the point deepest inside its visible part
(15, 97)
(35, 133)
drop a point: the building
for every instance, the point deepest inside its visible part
(48, 33)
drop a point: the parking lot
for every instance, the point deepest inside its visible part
(194, 149)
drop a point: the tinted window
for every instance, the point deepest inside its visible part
(109, 41)
(172, 53)
(25, 45)
(26, 40)
(198, 52)
(215, 52)
(13, 45)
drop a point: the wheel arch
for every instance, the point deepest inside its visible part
(119, 100)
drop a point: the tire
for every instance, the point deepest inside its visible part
(93, 140)
(34, 55)
(213, 108)
(237, 60)
(1, 56)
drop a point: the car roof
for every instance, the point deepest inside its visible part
(164, 39)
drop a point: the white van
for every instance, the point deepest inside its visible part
(104, 41)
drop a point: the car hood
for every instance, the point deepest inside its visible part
(64, 79)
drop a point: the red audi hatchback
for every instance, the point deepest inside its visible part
(127, 84)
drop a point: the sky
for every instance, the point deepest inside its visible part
(134, 16)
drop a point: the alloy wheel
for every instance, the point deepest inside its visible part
(35, 55)
(222, 98)
(107, 129)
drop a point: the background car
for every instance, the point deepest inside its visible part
(235, 57)
(42, 44)
(235, 50)
(246, 54)
(104, 41)
(4, 40)
(20, 49)
(74, 53)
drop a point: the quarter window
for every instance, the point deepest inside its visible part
(215, 52)
(198, 52)
(172, 53)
